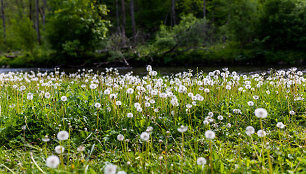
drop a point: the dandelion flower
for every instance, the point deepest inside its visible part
(292, 113)
(261, 113)
(261, 133)
(30, 96)
(59, 149)
(250, 103)
(182, 129)
(144, 136)
(47, 95)
(120, 137)
(45, 139)
(130, 115)
(97, 105)
(110, 169)
(220, 117)
(130, 91)
(52, 161)
(81, 148)
(280, 125)
(210, 134)
(249, 130)
(121, 172)
(62, 135)
(64, 98)
(201, 161)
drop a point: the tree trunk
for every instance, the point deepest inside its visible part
(117, 17)
(3, 19)
(133, 19)
(37, 21)
(173, 15)
(44, 12)
(204, 8)
(30, 9)
(123, 22)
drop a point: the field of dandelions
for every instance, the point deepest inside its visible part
(189, 122)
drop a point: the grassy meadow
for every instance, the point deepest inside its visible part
(190, 122)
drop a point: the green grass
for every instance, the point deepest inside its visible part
(200, 98)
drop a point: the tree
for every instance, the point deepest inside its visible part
(133, 19)
(37, 21)
(123, 22)
(3, 19)
(173, 15)
(76, 28)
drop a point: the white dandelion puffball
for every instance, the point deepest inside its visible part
(81, 148)
(118, 103)
(220, 117)
(261, 133)
(210, 134)
(52, 161)
(280, 125)
(121, 172)
(292, 113)
(97, 105)
(110, 169)
(30, 96)
(250, 103)
(201, 161)
(45, 139)
(261, 113)
(47, 95)
(62, 135)
(130, 91)
(182, 129)
(59, 149)
(249, 130)
(130, 115)
(120, 137)
(64, 98)
(144, 136)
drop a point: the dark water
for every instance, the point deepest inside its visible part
(162, 70)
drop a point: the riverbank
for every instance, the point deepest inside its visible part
(199, 57)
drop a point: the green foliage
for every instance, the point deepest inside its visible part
(77, 26)
(188, 34)
(21, 35)
(284, 22)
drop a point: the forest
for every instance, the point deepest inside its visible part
(99, 33)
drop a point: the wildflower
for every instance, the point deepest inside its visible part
(149, 129)
(220, 117)
(121, 172)
(118, 103)
(52, 161)
(81, 148)
(24, 127)
(144, 136)
(30, 96)
(93, 86)
(64, 98)
(250, 103)
(210, 134)
(120, 137)
(59, 149)
(45, 139)
(210, 114)
(139, 109)
(130, 115)
(130, 91)
(97, 105)
(261, 133)
(292, 113)
(201, 161)
(47, 95)
(249, 130)
(62, 135)
(110, 169)
(261, 113)
(280, 125)
(182, 129)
